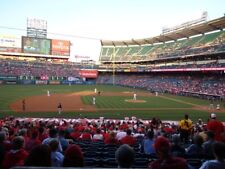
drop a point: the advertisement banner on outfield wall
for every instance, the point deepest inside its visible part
(88, 73)
(71, 79)
(11, 82)
(66, 82)
(44, 82)
(60, 47)
(8, 78)
(27, 82)
(54, 82)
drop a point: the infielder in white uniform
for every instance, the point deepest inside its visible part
(93, 100)
(135, 96)
(48, 93)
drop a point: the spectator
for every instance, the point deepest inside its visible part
(17, 155)
(73, 157)
(40, 156)
(86, 135)
(216, 127)
(53, 134)
(176, 148)
(32, 142)
(62, 140)
(4, 146)
(165, 160)
(218, 163)
(98, 136)
(125, 156)
(148, 143)
(195, 150)
(185, 127)
(207, 146)
(111, 139)
(128, 139)
(56, 157)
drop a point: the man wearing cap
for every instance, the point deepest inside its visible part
(215, 126)
(165, 159)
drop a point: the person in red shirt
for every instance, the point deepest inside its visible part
(32, 142)
(86, 135)
(111, 139)
(75, 134)
(73, 157)
(128, 139)
(165, 159)
(216, 127)
(17, 155)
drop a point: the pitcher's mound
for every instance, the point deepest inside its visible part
(135, 101)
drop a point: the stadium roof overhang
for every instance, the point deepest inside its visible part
(213, 25)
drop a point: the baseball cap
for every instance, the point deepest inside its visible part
(213, 115)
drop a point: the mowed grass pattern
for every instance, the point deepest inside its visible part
(119, 102)
(115, 104)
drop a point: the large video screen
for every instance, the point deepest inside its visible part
(36, 45)
(60, 47)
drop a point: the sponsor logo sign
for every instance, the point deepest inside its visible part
(60, 47)
(88, 73)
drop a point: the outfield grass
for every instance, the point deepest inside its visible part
(116, 104)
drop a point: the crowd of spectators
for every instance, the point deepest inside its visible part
(111, 143)
(37, 69)
(199, 45)
(192, 51)
(174, 83)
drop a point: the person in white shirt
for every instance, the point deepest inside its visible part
(98, 136)
(135, 96)
(93, 100)
(48, 93)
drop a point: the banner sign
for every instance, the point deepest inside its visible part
(8, 49)
(41, 82)
(8, 78)
(66, 82)
(55, 82)
(10, 41)
(71, 79)
(82, 57)
(88, 73)
(60, 47)
(27, 82)
(10, 82)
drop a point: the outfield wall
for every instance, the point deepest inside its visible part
(31, 81)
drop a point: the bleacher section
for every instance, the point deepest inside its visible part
(211, 43)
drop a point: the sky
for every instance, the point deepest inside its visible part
(85, 22)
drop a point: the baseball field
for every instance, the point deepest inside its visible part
(112, 102)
